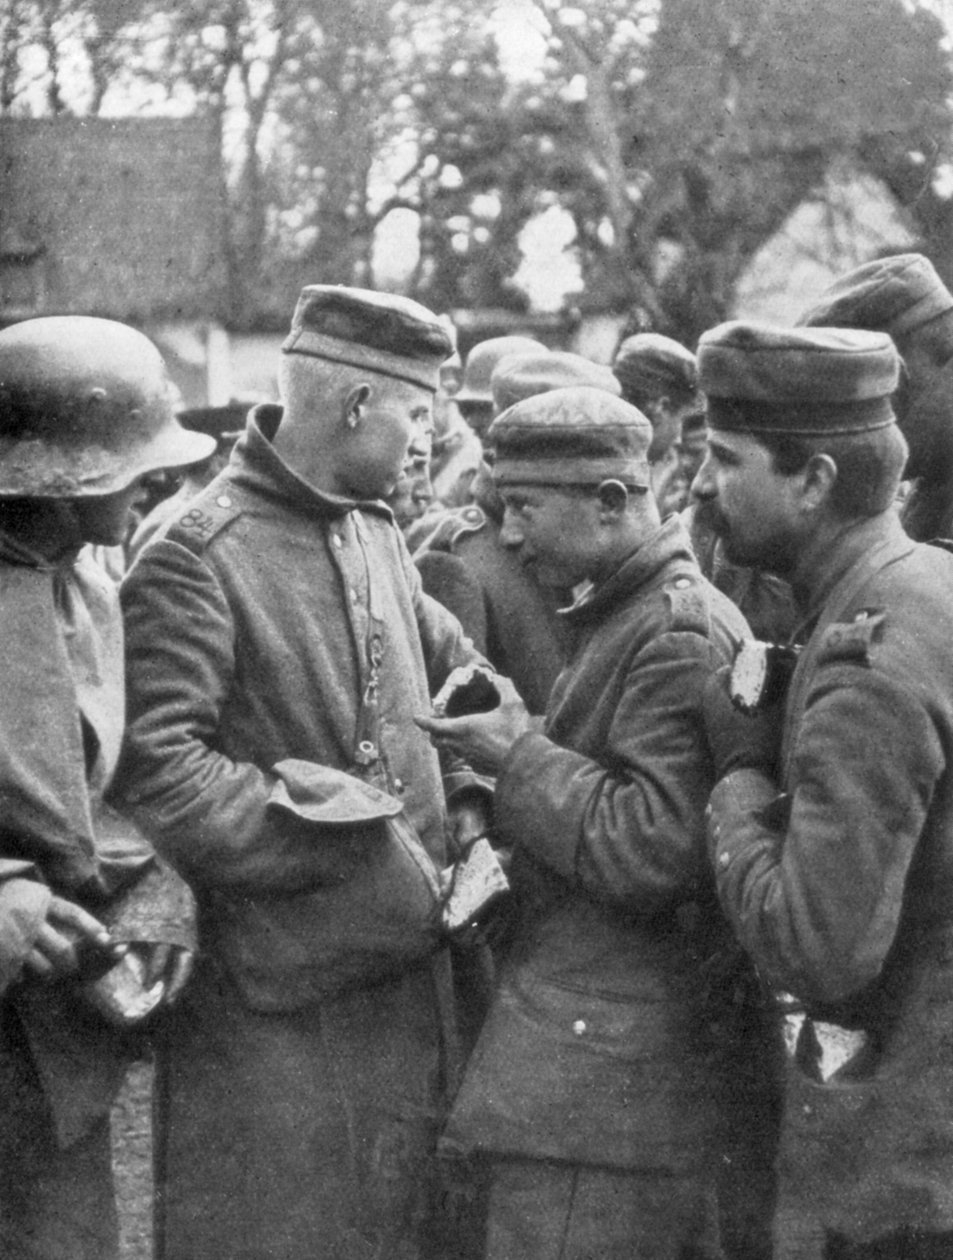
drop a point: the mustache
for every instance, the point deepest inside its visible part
(708, 514)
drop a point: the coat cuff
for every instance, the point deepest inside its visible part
(465, 785)
(732, 807)
(523, 776)
(158, 908)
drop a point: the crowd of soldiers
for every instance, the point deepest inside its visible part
(661, 649)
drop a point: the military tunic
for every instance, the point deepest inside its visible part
(600, 1050)
(842, 888)
(295, 1123)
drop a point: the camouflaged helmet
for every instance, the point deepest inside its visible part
(85, 409)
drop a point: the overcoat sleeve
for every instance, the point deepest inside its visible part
(629, 826)
(445, 642)
(815, 892)
(446, 578)
(207, 814)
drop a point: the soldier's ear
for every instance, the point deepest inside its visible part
(818, 477)
(355, 403)
(613, 497)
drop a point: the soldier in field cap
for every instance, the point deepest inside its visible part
(464, 563)
(902, 295)
(279, 644)
(831, 827)
(659, 376)
(597, 1087)
(475, 395)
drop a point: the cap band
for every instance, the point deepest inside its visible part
(804, 420)
(929, 308)
(321, 346)
(569, 472)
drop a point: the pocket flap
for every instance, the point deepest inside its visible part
(322, 794)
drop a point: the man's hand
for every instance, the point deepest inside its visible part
(67, 938)
(483, 740)
(739, 741)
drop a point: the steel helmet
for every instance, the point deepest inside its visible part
(85, 409)
(481, 361)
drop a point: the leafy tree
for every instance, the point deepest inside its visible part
(678, 134)
(683, 133)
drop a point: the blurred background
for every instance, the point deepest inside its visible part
(578, 172)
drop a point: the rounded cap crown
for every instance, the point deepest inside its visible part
(483, 358)
(520, 376)
(85, 409)
(801, 380)
(894, 295)
(649, 365)
(576, 436)
(382, 332)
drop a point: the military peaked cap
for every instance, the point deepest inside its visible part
(649, 365)
(482, 360)
(382, 332)
(222, 423)
(576, 436)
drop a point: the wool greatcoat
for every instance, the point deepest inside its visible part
(61, 1064)
(842, 888)
(295, 1123)
(605, 1046)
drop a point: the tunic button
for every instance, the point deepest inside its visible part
(579, 1027)
(399, 786)
(682, 583)
(338, 541)
(223, 501)
(723, 860)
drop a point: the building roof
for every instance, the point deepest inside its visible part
(114, 217)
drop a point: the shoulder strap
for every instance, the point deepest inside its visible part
(688, 598)
(203, 519)
(840, 599)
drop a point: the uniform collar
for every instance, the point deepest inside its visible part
(256, 464)
(854, 545)
(670, 542)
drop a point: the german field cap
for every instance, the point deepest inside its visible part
(520, 376)
(86, 408)
(895, 295)
(382, 332)
(483, 358)
(576, 436)
(797, 380)
(649, 365)
(222, 423)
